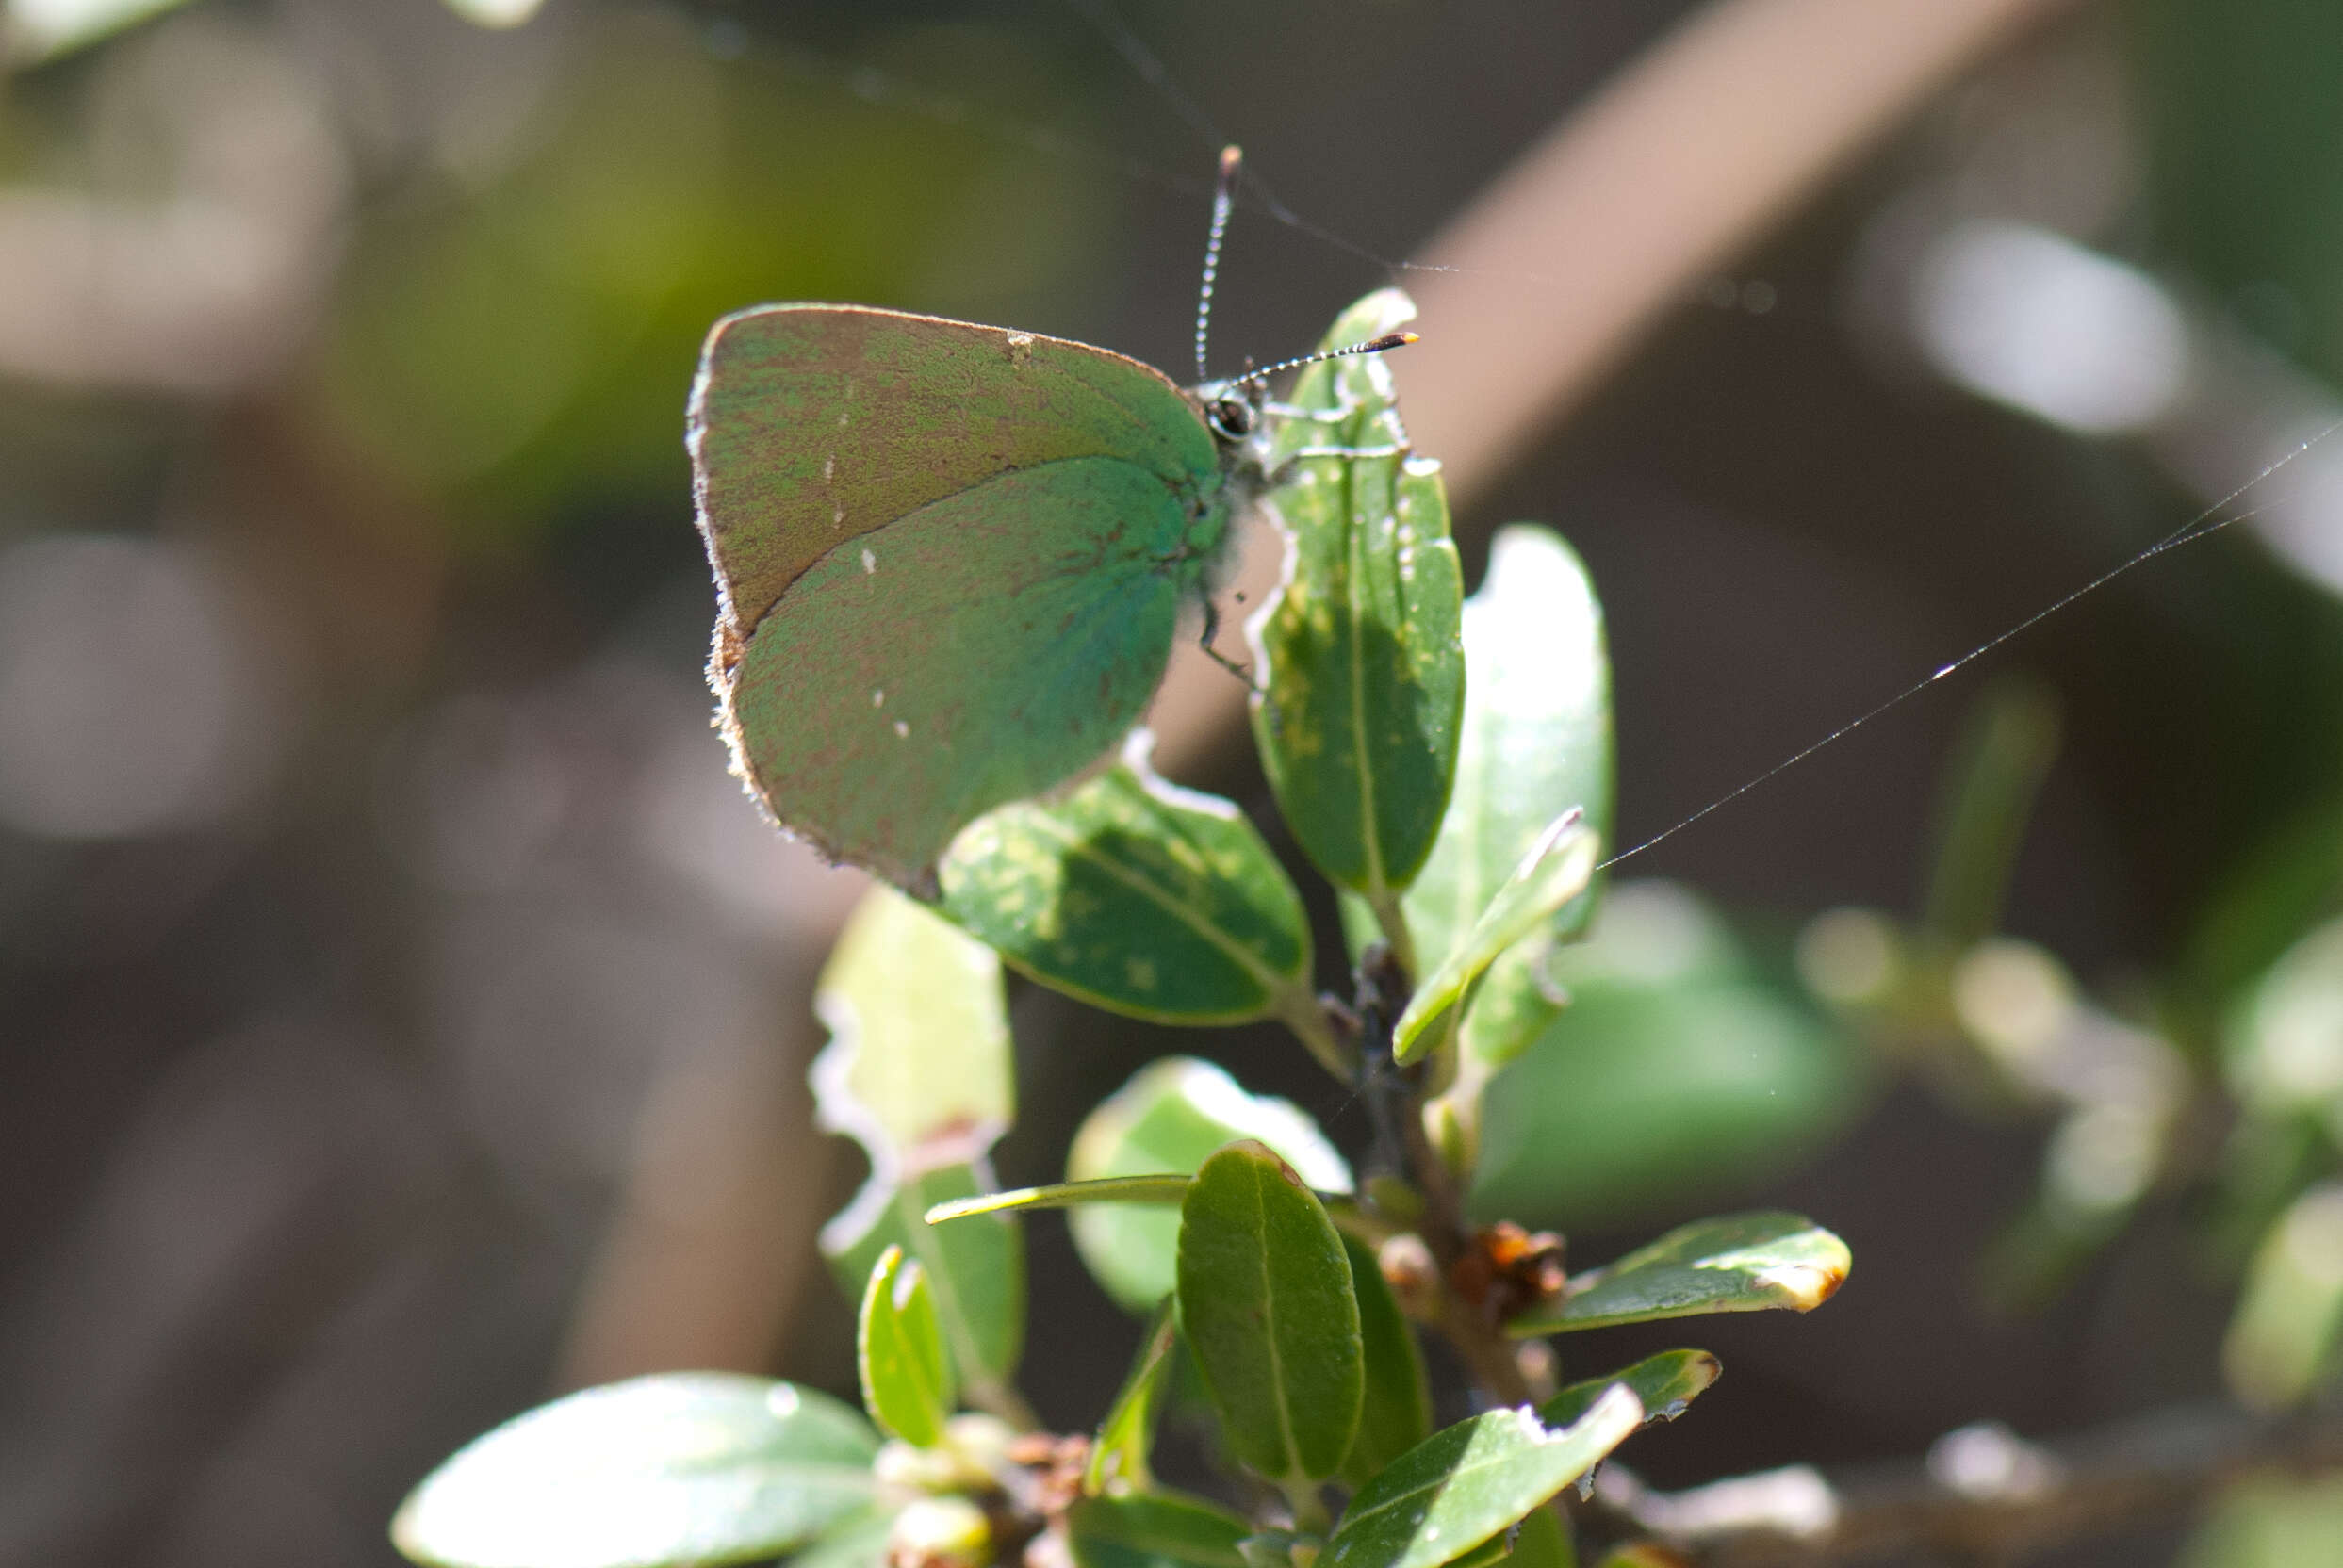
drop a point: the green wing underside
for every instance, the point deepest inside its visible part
(915, 676)
(813, 424)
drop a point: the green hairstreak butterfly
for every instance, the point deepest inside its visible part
(950, 558)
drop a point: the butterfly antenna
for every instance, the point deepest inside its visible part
(1372, 346)
(1224, 202)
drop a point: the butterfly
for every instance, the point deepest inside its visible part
(950, 558)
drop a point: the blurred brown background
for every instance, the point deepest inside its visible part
(403, 1015)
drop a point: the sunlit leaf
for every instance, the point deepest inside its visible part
(1396, 1414)
(43, 29)
(1556, 869)
(1737, 1263)
(2272, 1521)
(919, 1071)
(697, 1467)
(1159, 1529)
(1642, 1554)
(2284, 1341)
(1119, 1453)
(1137, 896)
(1535, 739)
(859, 1542)
(1360, 667)
(1465, 1483)
(2283, 1047)
(976, 1269)
(496, 13)
(1496, 1549)
(1536, 1540)
(1666, 1383)
(1171, 1116)
(907, 1379)
(1160, 1190)
(919, 1066)
(1516, 1000)
(1266, 1309)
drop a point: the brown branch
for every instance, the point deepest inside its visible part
(1690, 156)
(1683, 160)
(1981, 1493)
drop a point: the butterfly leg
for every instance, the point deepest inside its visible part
(1212, 629)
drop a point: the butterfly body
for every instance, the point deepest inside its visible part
(951, 560)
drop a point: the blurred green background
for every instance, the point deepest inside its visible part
(403, 1014)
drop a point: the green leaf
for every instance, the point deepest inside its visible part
(1496, 1549)
(1682, 1072)
(1266, 1309)
(1161, 1190)
(2283, 1343)
(1137, 896)
(1272, 1547)
(1738, 1263)
(919, 1073)
(1515, 1002)
(694, 1467)
(976, 1271)
(1542, 1543)
(1535, 739)
(1361, 667)
(1557, 868)
(1157, 1529)
(1984, 804)
(918, 1070)
(2270, 1521)
(495, 13)
(1118, 1455)
(907, 1379)
(1666, 1383)
(1464, 1484)
(2282, 1050)
(1396, 1414)
(2280, 887)
(1535, 1541)
(1172, 1115)
(43, 32)
(860, 1543)
(1642, 1554)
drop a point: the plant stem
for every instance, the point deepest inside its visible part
(996, 1398)
(2096, 1483)
(1481, 1343)
(1396, 934)
(1308, 1506)
(1299, 1012)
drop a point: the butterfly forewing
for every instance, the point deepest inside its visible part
(950, 560)
(810, 424)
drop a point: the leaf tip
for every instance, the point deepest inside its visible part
(1802, 1287)
(1620, 1408)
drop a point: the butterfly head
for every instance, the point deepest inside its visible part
(1231, 409)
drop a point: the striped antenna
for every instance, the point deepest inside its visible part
(1372, 346)
(1223, 200)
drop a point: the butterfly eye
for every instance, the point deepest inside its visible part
(1231, 418)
